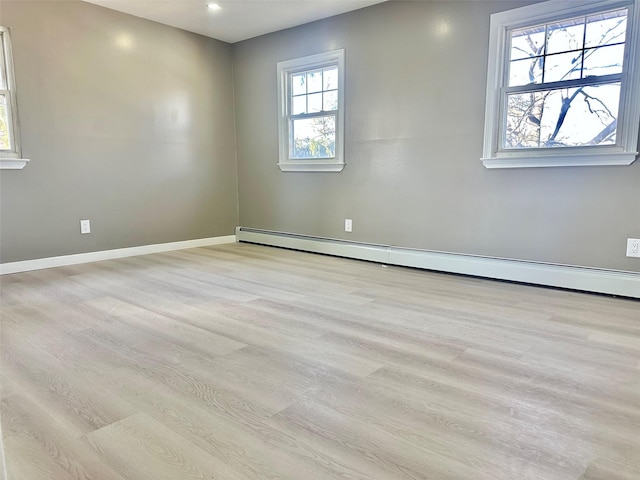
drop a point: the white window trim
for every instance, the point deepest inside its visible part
(11, 160)
(626, 149)
(285, 69)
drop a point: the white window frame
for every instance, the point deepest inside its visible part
(285, 70)
(624, 152)
(10, 159)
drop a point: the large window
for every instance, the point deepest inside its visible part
(311, 113)
(9, 137)
(563, 84)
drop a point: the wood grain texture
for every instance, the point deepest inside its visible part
(249, 362)
(41, 447)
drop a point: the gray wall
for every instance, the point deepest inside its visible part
(415, 92)
(127, 122)
(131, 124)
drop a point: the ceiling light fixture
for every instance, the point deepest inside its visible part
(213, 6)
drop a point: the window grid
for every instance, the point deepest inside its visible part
(561, 85)
(306, 94)
(527, 121)
(311, 117)
(584, 21)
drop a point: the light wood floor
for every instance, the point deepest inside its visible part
(248, 362)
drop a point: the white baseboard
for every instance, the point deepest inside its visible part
(64, 260)
(613, 282)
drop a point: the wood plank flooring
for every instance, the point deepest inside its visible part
(248, 362)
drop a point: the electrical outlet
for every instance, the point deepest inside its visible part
(633, 247)
(348, 225)
(85, 226)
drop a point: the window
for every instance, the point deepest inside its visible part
(562, 85)
(9, 138)
(311, 113)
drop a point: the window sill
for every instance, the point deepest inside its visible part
(310, 166)
(13, 163)
(560, 160)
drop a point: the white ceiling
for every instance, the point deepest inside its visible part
(236, 19)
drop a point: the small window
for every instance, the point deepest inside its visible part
(562, 85)
(311, 113)
(9, 138)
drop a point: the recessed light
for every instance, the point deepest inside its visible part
(213, 6)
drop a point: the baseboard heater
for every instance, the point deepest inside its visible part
(612, 282)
